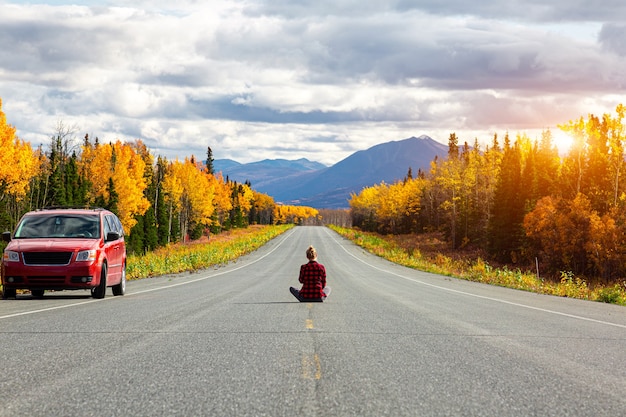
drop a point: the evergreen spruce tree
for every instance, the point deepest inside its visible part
(144, 235)
(135, 240)
(175, 234)
(160, 210)
(409, 175)
(210, 169)
(529, 177)
(547, 163)
(76, 185)
(253, 217)
(597, 177)
(57, 190)
(151, 238)
(161, 219)
(113, 197)
(506, 225)
(453, 146)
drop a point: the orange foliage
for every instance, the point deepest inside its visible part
(18, 162)
(190, 190)
(573, 203)
(389, 205)
(244, 198)
(574, 237)
(221, 196)
(286, 214)
(560, 228)
(120, 164)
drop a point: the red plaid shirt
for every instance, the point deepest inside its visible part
(313, 279)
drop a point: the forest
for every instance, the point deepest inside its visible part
(158, 201)
(519, 200)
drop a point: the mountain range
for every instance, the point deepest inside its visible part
(308, 183)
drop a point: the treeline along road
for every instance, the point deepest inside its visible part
(232, 341)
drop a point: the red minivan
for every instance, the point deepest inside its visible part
(65, 249)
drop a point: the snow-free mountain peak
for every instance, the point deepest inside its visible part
(313, 184)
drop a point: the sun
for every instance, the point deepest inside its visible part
(562, 140)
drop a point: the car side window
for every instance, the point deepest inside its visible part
(113, 224)
(107, 226)
(119, 226)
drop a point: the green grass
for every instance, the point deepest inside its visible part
(480, 271)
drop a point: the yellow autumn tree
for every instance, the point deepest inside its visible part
(129, 182)
(606, 244)
(615, 132)
(221, 198)
(173, 191)
(190, 192)
(96, 164)
(18, 162)
(411, 202)
(201, 195)
(388, 208)
(364, 207)
(116, 171)
(558, 229)
(450, 183)
(288, 214)
(263, 207)
(245, 197)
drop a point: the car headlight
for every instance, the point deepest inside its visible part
(11, 256)
(86, 255)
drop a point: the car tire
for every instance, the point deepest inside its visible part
(120, 289)
(9, 293)
(101, 289)
(37, 293)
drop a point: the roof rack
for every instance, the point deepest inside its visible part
(71, 208)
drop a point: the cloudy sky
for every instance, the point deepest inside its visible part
(318, 79)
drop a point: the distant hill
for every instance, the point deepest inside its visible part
(258, 173)
(303, 182)
(221, 165)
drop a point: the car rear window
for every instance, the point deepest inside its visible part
(59, 226)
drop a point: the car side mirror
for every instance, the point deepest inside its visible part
(111, 236)
(6, 236)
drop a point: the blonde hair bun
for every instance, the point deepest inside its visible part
(311, 253)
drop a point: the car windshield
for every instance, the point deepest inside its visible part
(59, 226)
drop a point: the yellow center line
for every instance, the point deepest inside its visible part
(318, 366)
(311, 367)
(309, 322)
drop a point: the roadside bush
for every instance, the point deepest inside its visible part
(612, 295)
(476, 269)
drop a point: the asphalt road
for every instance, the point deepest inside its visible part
(389, 341)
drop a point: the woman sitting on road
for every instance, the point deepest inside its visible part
(313, 280)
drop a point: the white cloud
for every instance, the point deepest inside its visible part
(267, 79)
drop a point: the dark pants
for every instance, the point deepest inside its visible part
(296, 293)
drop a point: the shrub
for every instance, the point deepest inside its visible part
(613, 295)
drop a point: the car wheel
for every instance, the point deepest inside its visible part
(37, 293)
(120, 289)
(9, 293)
(101, 289)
